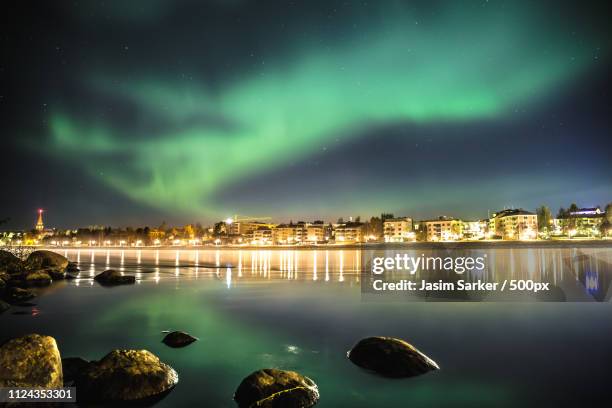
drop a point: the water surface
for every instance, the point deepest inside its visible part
(302, 310)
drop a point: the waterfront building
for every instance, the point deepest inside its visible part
(317, 232)
(475, 229)
(349, 232)
(245, 228)
(301, 233)
(443, 229)
(584, 222)
(262, 236)
(514, 224)
(398, 229)
(285, 234)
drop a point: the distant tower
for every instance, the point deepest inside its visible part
(39, 224)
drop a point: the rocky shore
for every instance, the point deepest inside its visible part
(34, 361)
(19, 278)
(138, 376)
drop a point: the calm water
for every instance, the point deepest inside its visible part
(302, 310)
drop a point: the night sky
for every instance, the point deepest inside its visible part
(127, 112)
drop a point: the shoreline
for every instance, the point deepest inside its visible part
(377, 245)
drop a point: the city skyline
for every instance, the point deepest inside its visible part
(39, 225)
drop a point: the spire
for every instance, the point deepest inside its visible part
(39, 224)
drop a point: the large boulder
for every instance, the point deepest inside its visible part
(123, 375)
(390, 357)
(7, 258)
(17, 295)
(178, 339)
(37, 278)
(9, 263)
(31, 361)
(46, 259)
(111, 277)
(272, 388)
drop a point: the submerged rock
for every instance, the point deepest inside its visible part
(38, 278)
(4, 306)
(178, 339)
(17, 295)
(123, 375)
(390, 357)
(272, 388)
(111, 277)
(46, 259)
(31, 361)
(2, 284)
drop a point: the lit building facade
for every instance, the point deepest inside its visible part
(443, 229)
(514, 224)
(586, 222)
(475, 229)
(350, 232)
(245, 228)
(287, 234)
(262, 236)
(317, 232)
(398, 229)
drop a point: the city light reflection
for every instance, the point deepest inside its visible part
(331, 265)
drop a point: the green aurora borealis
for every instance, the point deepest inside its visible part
(462, 64)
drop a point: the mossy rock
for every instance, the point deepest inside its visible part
(273, 388)
(46, 259)
(31, 361)
(390, 357)
(111, 277)
(123, 375)
(38, 278)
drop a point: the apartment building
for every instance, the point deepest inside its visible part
(514, 224)
(398, 229)
(443, 229)
(349, 232)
